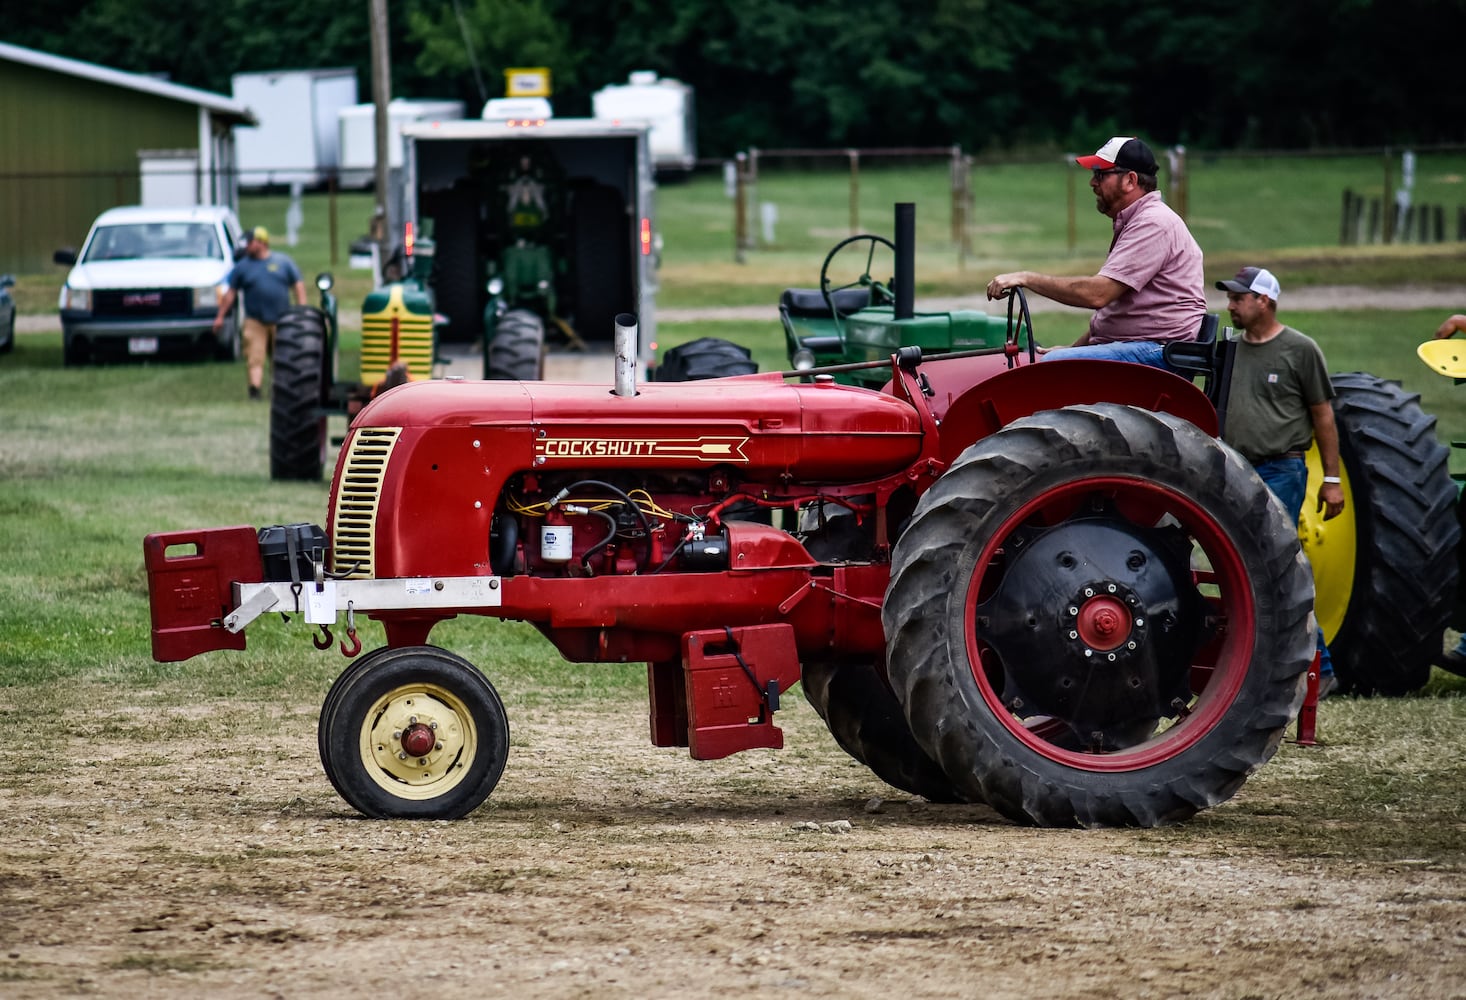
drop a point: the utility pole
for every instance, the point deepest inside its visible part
(381, 96)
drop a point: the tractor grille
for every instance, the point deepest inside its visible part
(353, 533)
(396, 334)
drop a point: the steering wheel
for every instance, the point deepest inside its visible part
(880, 294)
(1025, 322)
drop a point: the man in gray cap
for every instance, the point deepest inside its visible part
(1151, 289)
(1278, 404)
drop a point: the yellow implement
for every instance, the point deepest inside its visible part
(1444, 357)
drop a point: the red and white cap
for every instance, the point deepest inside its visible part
(1123, 151)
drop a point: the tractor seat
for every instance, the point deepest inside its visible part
(808, 303)
(1195, 357)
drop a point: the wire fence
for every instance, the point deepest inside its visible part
(1002, 207)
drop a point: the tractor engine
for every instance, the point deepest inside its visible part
(508, 479)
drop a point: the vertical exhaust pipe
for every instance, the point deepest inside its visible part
(625, 354)
(905, 276)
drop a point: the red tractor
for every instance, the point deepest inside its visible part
(1048, 587)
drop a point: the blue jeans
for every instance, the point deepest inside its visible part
(1288, 479)
(1142, 352)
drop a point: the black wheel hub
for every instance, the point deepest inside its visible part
(1094, 622)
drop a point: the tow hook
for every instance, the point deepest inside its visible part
(355, 647)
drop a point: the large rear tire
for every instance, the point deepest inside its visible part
(414, 733)
(706, 357)
(1099, 616)
(1387, 568)
(864, 717)
(518, 348)
(298, 435)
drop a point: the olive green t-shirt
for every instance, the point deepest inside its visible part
(1273, 385)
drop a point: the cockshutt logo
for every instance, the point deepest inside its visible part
(702, 449)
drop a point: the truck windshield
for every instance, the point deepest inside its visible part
(152, 240)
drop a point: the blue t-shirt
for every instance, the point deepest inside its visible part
(266, 285)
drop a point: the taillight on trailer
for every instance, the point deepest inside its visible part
(646, 236)
(407, 239)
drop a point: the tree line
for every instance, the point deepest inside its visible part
(995, 76)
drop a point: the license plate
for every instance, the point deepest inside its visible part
(142, 345)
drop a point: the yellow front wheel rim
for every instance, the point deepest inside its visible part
(418, 741)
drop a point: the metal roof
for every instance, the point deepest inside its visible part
(226, 109)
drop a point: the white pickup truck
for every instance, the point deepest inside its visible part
(147, 283)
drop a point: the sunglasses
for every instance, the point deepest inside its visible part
(1098, 174)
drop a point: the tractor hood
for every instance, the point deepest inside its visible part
(817, 433)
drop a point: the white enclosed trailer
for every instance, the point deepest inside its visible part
(298, 139)
(358, 124)
(599, 226)
(665, 105)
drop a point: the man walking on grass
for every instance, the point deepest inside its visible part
(267, 279)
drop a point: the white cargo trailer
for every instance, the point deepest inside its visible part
(665, 105)
(359, 134)
(597, 227)
(298, 138)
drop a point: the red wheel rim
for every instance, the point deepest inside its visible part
(1217, 670)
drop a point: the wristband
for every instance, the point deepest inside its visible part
(1333, 479)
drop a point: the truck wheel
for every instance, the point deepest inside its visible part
(1387, 567)
(864, 717)
(414, 732)
(518, 348)
(74, 352)
(297, 425)
(706, 357)
(1099, 617)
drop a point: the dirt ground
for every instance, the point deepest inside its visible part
(174, 853)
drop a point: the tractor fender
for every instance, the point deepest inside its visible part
(998, 395)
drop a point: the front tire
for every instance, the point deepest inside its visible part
(297, 423)
(1388, 566)
(517, 350)
(1099, 616)
(414, 733)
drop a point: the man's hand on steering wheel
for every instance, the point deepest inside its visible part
(1001, 285)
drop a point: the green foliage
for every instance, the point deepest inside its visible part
(988, 74)
(489, 36)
